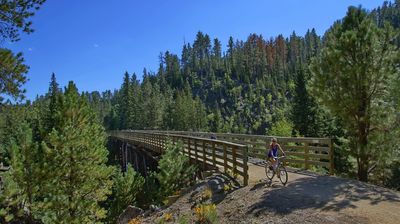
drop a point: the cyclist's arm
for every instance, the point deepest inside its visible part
(280, 148)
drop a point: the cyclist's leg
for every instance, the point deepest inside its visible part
(276, 167)
(274, 162)
(269, 161)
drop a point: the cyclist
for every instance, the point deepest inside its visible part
(272, 156)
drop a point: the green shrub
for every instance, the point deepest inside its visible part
(175, 171)
(124, 191)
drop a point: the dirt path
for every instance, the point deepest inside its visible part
(307, 198)
(329, 195)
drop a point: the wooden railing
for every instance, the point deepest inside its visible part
(302, 152)
(229, 156)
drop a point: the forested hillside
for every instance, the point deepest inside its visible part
(246, 89)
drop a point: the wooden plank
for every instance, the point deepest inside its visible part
(239, 163)
(221, 163)
(310, 155)
(295, 161)
(319, 148)
(268, 138)
(319, 156)
(306, 157)
(209, 140)
(301, 154)
(292, 147)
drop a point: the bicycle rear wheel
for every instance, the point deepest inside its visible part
(269, 172)
(283, 175)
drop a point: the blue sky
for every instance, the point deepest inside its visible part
(93, 42)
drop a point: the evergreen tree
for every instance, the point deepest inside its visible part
(351, 77)
(126, 186)
(14, 20)
(12, 74)
(124, 98)
(174, 169)
(54, 104)
(75, 161)
(21, 192)
(303, 108)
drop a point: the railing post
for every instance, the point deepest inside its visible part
(245, 166)
(234, 159)
(225, 160)
(306, 156)
(213, 154)
(204, 155)
(195, 150)
(126, 156)
(157, 141)
(163, 143)
(122, 155)
(331, 160)
(189, 150)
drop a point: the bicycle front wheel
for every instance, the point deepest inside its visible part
(283, 175)
(269, 172)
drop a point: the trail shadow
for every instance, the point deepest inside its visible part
(320, 192)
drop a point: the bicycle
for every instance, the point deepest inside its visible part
(270, 172)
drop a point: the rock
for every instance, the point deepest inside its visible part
(129, 213)
(154, 207)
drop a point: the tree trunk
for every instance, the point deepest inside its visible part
(363, 170)
(363, 162)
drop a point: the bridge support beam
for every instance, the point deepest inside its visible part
(144, 166)
(136, 161)
(127, 152)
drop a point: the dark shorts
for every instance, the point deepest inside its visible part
(270, 154)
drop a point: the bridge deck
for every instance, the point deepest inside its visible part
(231, 152)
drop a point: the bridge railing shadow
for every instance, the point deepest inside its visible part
(319, 192)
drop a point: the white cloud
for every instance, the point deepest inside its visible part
(96, 45)
(30, 49)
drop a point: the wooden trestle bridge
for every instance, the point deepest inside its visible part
(233, 154)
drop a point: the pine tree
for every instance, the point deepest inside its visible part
(135, 115)
(75, 157)
(124, 98)
(351, 77)
(14, 20)
(54, 104)
(21, 193)
(174, 169)
(126, 186)
(303, 114)
(12, 74)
